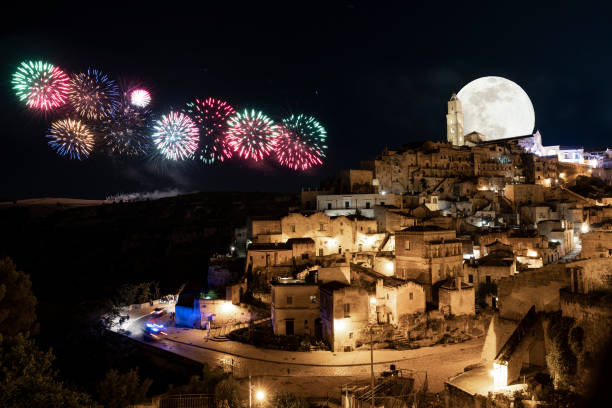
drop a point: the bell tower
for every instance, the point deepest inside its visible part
(454, 122)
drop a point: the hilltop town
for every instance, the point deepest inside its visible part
(441, 242)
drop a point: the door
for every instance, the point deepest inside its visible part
(318, 328)
(289, 329)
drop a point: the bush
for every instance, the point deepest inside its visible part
(560, 359)
(263, 336)
(118, 390)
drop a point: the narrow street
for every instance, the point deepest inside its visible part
(440, 362)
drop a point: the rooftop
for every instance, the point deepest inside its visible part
(422, 228)
(269, 246)
(332, 286)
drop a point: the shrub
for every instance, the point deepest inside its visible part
(560, 359)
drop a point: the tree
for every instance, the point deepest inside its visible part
(560, 359)
(17, 302)
(288, 400)
(118, 390)
(226, 394)
(202, 384)
(27, 378)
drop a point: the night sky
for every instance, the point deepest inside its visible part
(374, 76)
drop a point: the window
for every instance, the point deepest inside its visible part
(321, 227)
(350, 335)
(339, 249)
(313, 299)
(320, 251)
(329, 206)
(347, 204)
(411, 295)
(289, 300)
(382, 203)
(367, 204)
(347, 310)
(488, 279)
(304, 256)
(305, 324)
(471, 278)
(292, 227)
(452, 130)
(407, 245)
(341, 231)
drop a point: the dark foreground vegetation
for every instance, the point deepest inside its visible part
(84, 262)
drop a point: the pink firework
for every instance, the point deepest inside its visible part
(211, 115)
(252, 135)
(295, 153)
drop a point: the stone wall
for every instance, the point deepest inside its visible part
(593, 313)
(539, 287)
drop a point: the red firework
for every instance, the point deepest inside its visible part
(49, 90)
(295, 153)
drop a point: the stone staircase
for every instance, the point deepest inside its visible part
(400, 341)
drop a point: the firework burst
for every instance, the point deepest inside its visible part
(72, 138)
(127, 130)
(302, 142)
(294, 152)
(308, 130)
(176, 136)
(211, 116)
(41, 85)
(251, 134)
(93, 95)
(140, 98)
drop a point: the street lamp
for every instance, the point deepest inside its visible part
(260, 394)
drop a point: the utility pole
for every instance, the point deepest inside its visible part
(372, 362)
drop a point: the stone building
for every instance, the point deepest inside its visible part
(351, 181)
(455, 297)
(427, 254)
(524, 194)
(264, 229)
(490, 268)
(347, 204)
(344, 315)
(391, 219)
(295, 307)
(454, 122)
(559, 231)
(279, 258)
(397, 299)
(598, 242)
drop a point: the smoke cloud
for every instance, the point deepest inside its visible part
(145, 196)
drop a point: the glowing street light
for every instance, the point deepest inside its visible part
(373, 300)
(585, 228)
(260, 395)
(500, 374)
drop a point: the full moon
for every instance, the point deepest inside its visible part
(496, 107)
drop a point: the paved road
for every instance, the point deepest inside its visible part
(440, 362)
